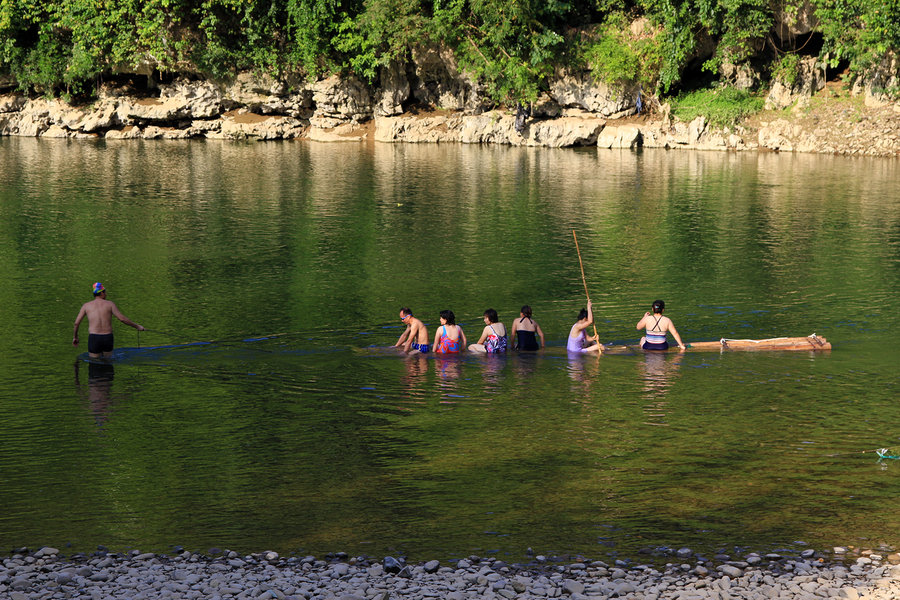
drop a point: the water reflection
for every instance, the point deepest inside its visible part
(583, 369)
(491, 370)
(448, 370)
(658, 371)
(98, 391)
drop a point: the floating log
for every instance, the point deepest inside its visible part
(811, 342)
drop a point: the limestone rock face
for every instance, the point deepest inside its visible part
(12, 103)
(792, 21)
(439, 82)
(340, 100)
(248, 125)
(625, 136)
(878, 80)
(395, 90)
(742, 76)
(810, 79)
(581, 90)
(495, 127)
(778, 135)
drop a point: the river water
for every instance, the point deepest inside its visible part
(258, 413)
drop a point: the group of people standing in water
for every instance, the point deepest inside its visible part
(450, 339)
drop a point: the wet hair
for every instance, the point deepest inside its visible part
(583, 314)
(406, 311)
(491, 315)
(658, 306)
(526, 311)
(448, 316)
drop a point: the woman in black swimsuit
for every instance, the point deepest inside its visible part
(528, 331)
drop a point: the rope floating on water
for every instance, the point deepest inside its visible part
(884, 453)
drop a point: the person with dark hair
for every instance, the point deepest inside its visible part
(527, 329)
(449, 337)
(415, 338)
(656, 326)
(100, 312)
(578, 340)
(493, 339)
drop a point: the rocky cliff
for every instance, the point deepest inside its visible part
(430, 100)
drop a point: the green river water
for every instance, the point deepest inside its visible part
(290, 432)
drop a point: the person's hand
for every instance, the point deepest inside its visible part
(646, 314)
(75, 341)
(682, 347)
(140, 328)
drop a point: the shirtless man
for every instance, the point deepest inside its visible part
(100, 312)
(415, 337)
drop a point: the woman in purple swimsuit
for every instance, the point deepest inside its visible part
(578, 340)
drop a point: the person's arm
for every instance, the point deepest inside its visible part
(575, 329)
(642, 323)
(484, 334)
(118, 314)
(78, 320)
(462, 336)
(403, 335)
(540, 333)
(675, 335)
(512, 335)
(437, 335)
(590, 309)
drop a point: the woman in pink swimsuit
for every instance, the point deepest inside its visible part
(449, 337)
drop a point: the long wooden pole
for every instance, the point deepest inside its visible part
(583, 280)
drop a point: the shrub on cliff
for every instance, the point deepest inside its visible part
(722, 107)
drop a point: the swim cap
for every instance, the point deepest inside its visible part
(98, 287)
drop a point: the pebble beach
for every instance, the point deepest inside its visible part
(47, 574)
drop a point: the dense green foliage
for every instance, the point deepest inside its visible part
(512, 46)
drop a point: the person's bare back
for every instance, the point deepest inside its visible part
(99, 313)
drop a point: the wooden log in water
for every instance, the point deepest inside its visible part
(812, 342)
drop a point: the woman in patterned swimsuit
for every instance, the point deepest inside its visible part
(656, 326)
(449, 337)
(493, 338)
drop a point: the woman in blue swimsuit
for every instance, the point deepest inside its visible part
(656, 326)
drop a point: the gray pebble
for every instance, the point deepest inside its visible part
(432, 566)
(20, 584)
(731, 571)
(573, 587)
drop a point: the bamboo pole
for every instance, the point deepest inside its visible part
(583, 280)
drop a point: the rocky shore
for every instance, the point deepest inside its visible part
(45, 574)
(432, 102)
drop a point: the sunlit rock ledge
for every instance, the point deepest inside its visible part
(576, 112)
